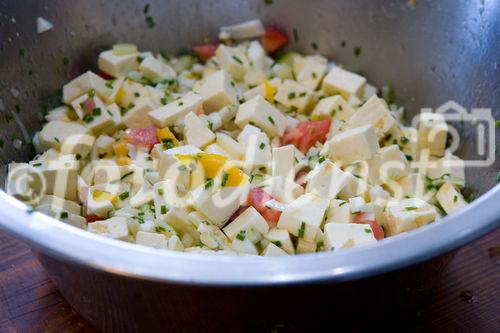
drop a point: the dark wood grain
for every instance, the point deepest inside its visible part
(467, 299)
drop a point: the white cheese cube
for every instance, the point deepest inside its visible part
(259, 112)
(217, 90)
(339, 211)
(243, 30)
(341, 81)
(258, 152)
(55, 176)
(334, 107)
(78, 144)
(411, 186)
(408, 141)
(273, 250)
(214, 148)
(83, 84)
(244, 246)
(388, 164)
(285, 190)
(293, 96)
(156, 70)
(283, 162)
(168, 114)
(178, 218)
(64, 216)
(61, 113)
(304, 216)
(233, 60)
(432, 133)
(305, 246)
(347, 235)
(115, 227)
(247, 221)
(326, 180)
(142, 197)
(374, 112)
(175, 244)
(312, 72)
(151, 239)
(408, 214)
(354, 187)
(117, 65)
(218, 205)
(235, 149)
(137, 117)
(266, 90)
(280, 238)
(450, 199)
(63, 205)
(357, 144)
(56, 132)
(357, 204)
(449, 166)
(245, 134)
(369, 91)
(196, 132)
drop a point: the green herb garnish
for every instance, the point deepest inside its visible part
(241, 235)
(302, 229)
(124, 195)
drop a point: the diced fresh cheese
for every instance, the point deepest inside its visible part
(243, 30)
(373, 112)
(408, 214)
(115, 227)
(312, 72)
(432, 133)
(410, 186)
(339, 211)
(64, 205)
(196, 132)
(281, 238)
(214, 148)
(245, 134)
(61, 113)
(59, 213)
(293, 96)
(283, 162)
(83, 84)
(259, 112)
(334, 107)
(249, 221)
(78, 144)
(217, 90)
(346, 235)
(408, 142)
(354, 187)
(450, 199)
(304, 216)
(273, 250)
(156, 70)
(151, 239)
(388, 164)
(168, 114)
(357, 144)
(341, 81)
(244, 246)
(117, 65)
(218, 205)
(326, 180)
(55, 133)
(267, 90)
(448, 167)
(283, 189)
(233, 60)
(175, 244)
(258, 152)
(137, 117)
(235, 149)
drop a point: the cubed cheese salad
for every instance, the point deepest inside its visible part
(230, 150)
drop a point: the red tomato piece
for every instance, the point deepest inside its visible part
(257, 198)
(306, 134)
(273, 40)
(105, 75)
(300, 178)
(145, 137)
(205, 51)
(93, 218)
(363, 218)
(88, 106)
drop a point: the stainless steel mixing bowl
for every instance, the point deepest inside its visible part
(432, 52)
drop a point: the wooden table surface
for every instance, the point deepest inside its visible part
(467, 299)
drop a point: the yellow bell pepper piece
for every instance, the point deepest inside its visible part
(212, 164)
(120, 148)
(165, 134)
(100, 195)
(233, 177)
(270, 90)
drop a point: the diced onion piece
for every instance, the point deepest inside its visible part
(124, 49)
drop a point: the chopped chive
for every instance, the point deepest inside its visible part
(109, 113)
(291, 95)
(404, 140)
(168, 143)
(21, 52)
(150, 22)
(96, 112)
(341, 108)
(78, 157)
(64, 215)
(139, 59)
(302, 94)
(109, 84)
(357, 51)
(91, 93)
(342, 203)
(210, 125)
(146, 9)
(277, 243)
(163, 209)
(209, 183)
(124, 195)
(65, 61)
(225, 177)
(321, 159)
(332, 113)
(314, 45)
(498, 177)
(271, 120)
(302, 229)
(241, 235)
(88, 118)
(137, 94)
(368, 231)
(295, 35)
(163, 101)
(57, 140)
(18, 108)
(160, 229)
(411, 208)
(455, 198)
(262, 146)
(314, 76)
(126, 175)
(160, 191)
(268, 2)
(497, 123)
(342, 43)
(238, 60)
(409, 157)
